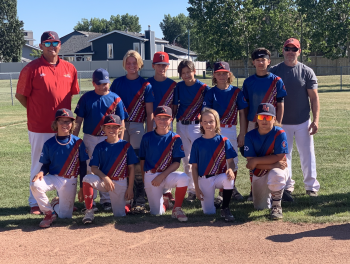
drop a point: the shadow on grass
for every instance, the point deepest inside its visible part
(325, 90)
(338, 232)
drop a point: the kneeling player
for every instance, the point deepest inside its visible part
(265, 148)
(112, 162)
(209, 156)
(63, 157)
(160, 153)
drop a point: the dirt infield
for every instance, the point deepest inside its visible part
(273, 242)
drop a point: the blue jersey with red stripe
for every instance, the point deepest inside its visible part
(133, 92)
(257, 90)
(163, 92)
(93, 107)
(105, 154)
(205, 152)
(158, 150)
(56, 154)
(223, 102)
(185, 97)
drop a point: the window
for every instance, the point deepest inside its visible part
(136, 47)
(110, 54)
(25, 33)
(159, 47)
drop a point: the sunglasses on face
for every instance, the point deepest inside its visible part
(267, 117)
(294, 49)
(48, 44)
(64, 122)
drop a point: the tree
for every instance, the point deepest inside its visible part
(176, 27)
(11, 32)
(36, 53)
(118, 22)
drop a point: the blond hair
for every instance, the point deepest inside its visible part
(229, 80)
(136, 55)
(54, 126)
(207, 111)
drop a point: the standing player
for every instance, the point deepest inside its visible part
(188, 99)
(213, 165)
(265, 148)
(44, 86)
(228, 101)
(163, 89)
(92, 108)
(263, 87)
(63, 157)
(138, 98)
(160, 153)
(112, 162)
(301, 85)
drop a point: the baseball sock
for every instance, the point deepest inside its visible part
(180, 193)
(226, 198)
(88, 192)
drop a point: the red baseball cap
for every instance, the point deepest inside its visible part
(161, 57)
(292, 41)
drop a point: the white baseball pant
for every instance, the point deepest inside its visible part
(208, 186)
(188, 134)
(90, 142)
(155, 193)
(305, 146)
(117, 196)
(36, 141)
(231, 134)
(273, 181)
(66, 189)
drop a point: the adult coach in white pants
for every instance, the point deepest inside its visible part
(44, 86)
(301, 85)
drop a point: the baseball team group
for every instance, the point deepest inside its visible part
(130, 154)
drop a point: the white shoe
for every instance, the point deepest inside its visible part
(89, 216)
(179, 214)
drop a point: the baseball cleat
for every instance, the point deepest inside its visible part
(218, 201)
(287, 196)
(179, 214)
(106, 206)
(236, 195)
(94, 207)
(166, 202)
(35, 210)
(276, 213)
(312, 193)
(191, 197)
(170, 196)
(89, 216)
(226, 213)
(55, 201)
(49, 218)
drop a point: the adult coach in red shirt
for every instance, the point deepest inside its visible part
(44, 86)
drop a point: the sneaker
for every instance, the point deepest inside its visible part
(250, 197)
(170, 196)
(94, 207)
(287, 196)
(236, 195)
(179, 214)
(191, 197)
(312, 193)
(49, 218)
(226, 213)
(35, 210)
(218, 201)
(89, 216)
(166, 202)
(276, 213)
(106, 206)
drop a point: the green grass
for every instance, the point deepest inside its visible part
(333, 168)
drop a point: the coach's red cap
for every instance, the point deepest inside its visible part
(112, 120)
(49, 36)
(64, 112)
(161, 57)
(163, 111)
(292, 41)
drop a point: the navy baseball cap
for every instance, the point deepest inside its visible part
(49, 36)
(163, 110)
(100, 76)
(258, 53)
(266, 109)
(112, 120)
(64, 112)
(221, 66)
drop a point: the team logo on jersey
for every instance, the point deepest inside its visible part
(204, 103)
(161, 56)
(246, 148)
(284, 144)
(66, 75)
(42, 74)
(266, 108)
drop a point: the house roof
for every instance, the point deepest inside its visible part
(185, 51)
(78, 43)
(33, 47)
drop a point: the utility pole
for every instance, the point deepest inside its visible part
(188, 55)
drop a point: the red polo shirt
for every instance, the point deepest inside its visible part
(47, 88)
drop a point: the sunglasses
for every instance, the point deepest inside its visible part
(48, 44)
(267, 117)
(294, 49)
(64, 122)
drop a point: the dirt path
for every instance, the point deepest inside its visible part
(179, 243)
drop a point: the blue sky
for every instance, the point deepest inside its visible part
(62, 15)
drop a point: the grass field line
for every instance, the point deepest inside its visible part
(14, 124)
